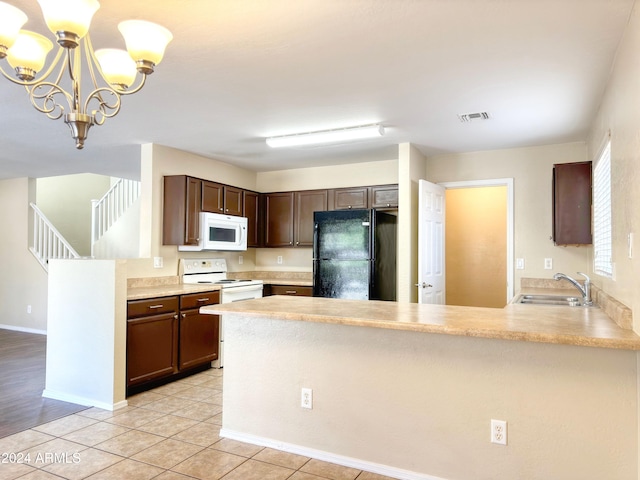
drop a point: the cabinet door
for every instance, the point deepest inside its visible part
(384, 196)
(181, 210)
(152, 347)
(348, 198)
(572, 204)
(297, 291)
(307, 202)
(279, 219)
(199, 338)
(250, 209)
(232, 201)
(212, 197)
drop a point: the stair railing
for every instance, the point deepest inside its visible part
(47, 241)
(106, 211)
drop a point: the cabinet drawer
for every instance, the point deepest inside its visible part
(291, 290)
(197, 300)
(151, 306)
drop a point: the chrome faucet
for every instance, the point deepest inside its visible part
(584, 290)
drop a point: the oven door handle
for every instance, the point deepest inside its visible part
(245, 288)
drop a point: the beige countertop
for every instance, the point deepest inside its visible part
(548, 324)
(152, 291)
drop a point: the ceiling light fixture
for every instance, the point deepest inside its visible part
(327, 136)
(69, 21)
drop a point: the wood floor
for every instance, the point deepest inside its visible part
(22, 378)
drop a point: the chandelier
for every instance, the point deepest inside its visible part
(112, 72)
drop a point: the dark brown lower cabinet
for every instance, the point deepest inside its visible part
(168, 336)
(199, 333)
(152, 339)
(297, 291)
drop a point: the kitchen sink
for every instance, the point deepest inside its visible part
(558, 300)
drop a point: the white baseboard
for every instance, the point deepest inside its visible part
(327, 456)
(87, 402)
(23, 329)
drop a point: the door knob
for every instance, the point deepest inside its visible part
(424, 285)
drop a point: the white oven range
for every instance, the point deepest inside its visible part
(214, 271)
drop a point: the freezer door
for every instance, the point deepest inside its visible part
(342, 279)
(342, 235)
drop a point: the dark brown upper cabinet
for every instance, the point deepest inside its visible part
(278, 219)
(383, 196)
(181, 210)
(572, 194)
(218, 198)
(307, 202)
(348, 198)
(251, 210)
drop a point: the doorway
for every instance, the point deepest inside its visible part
(478, 239)
(475, 246)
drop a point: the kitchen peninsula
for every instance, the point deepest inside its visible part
(409, 390)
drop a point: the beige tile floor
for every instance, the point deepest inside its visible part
(169, 433)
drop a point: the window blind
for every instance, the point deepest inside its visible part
(602, 213)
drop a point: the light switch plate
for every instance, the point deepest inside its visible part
(519, 263)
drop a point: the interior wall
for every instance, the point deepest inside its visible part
(619, 114)
(24, 283)
(531, 168)
(476, 246)
(66, 202)
(411, 169)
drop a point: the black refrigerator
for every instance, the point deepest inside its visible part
(354, 254)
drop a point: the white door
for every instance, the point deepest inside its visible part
(431, 285)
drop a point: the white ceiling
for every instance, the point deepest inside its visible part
(238, 71)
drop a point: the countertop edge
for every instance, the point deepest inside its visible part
(613, 338)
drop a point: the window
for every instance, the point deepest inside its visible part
(602, 213)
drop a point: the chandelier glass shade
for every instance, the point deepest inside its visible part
(56, 90)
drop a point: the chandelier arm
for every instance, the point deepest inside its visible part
(105, 109)
(131, 90)
(35, 81)
(49, 106)
(54, 90)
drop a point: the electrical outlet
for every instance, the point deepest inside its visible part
(499, 432)
(158, 262)
(306, 398)
(548, 263)
(630, 245)
(279, 259)
(240, 259)
(28, 308)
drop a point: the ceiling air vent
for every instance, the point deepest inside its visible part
(473, 117)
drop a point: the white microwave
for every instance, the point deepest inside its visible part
(220, 232)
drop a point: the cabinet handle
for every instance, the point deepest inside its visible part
(151, 307)
(290, 243)
(175, 316)
(297, 243)
(349, 207)
(388, 204)
(290, 292)
(203, 300)
(227, 210)
(221, 209)
(184, 315)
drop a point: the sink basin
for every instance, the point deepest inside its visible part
(558, 300)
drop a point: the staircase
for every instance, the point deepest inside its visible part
(106, 211)
(47, 241)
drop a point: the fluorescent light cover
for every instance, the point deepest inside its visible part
(327, 136)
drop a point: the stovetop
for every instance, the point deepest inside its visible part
(211, 270)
